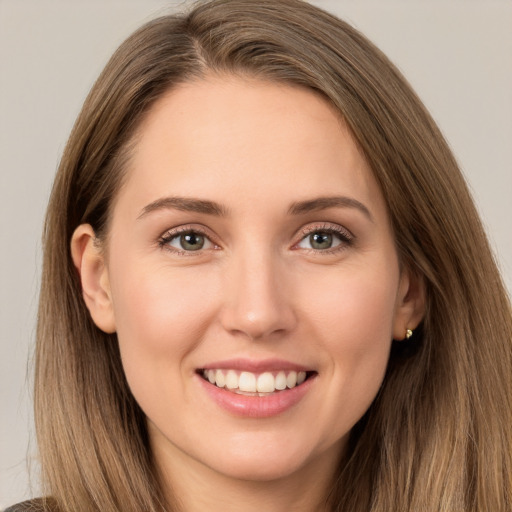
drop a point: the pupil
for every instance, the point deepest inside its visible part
(321, 240)
(192, 241)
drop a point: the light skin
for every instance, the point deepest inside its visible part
(298, 263)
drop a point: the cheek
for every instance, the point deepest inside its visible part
(354, 306)
(161, 314)
(351, 320)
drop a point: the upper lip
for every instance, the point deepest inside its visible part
(256, 366)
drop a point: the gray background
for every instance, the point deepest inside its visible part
(457, 55)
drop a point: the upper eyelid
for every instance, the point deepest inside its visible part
(187, 228)
(325, 226)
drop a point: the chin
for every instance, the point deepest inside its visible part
(257, 470)
(271, 459)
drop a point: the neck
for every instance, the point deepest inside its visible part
(192, 486)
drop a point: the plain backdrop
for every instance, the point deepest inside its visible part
(456, 54)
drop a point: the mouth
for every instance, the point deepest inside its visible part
(255, 384)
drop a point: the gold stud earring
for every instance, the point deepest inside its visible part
(408, 333)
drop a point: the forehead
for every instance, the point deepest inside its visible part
(231, 138)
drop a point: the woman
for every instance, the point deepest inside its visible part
(265, 284)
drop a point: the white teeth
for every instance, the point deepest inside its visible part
(231, 380)
(248, 382)
(281, 381)
(265, 383)
(220, 380)
(291, 380)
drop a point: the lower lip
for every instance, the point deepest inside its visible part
(257, 406)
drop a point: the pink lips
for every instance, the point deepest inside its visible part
(256, 406)
(249, 365)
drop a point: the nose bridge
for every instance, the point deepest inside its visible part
(256, 302)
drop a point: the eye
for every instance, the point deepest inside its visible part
(186, 241)
(325, 239)
(320, 241)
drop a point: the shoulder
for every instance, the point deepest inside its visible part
(28, 506)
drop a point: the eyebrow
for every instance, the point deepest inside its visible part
(323, 203)
(186, 204)
(207, 207)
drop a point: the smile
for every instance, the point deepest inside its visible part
(256, 388)
(254, 384)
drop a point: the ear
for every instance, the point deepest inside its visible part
(410, 304)
(90, 263)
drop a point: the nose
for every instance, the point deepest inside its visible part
(257, 302)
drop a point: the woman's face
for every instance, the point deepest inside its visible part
(250, 249)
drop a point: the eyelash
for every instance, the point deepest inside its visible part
(169, 236)
(344, 235)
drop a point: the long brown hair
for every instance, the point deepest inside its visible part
(439, 435)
